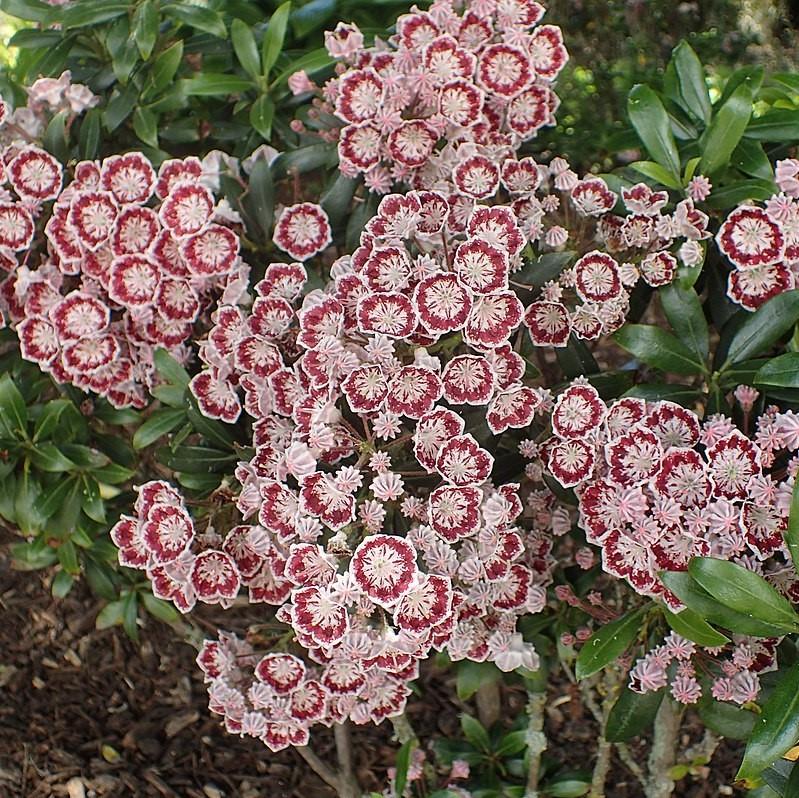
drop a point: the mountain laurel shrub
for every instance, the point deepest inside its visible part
(318, 338)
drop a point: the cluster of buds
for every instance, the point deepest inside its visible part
(130, 259)
(762, 243)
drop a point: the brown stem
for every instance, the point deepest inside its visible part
(662, 755)
(349, 783)
(324, 771)
(536, 740)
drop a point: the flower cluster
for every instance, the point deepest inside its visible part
(762, 244)
(131, 258)
(473, 77)
(734, 669)
(657, 487)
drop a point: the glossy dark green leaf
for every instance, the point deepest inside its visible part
(209, 84)
(274, 37)
(743, 591)
(196, 459)
(402, 764)
(512, 743)
(693, 627)
(91, 502)
(779, 124)
(691, 82)
(728, 720)
(145, 27)
(170, 370)
(68, 557)
(608, 643)
(34, 555)
(145, 125)
(763, 328)
(660, 391)
(262, 113)
(700, 601)
(792, 532)
(211, 430)
(89, 14)
(47, 457)
(656, 172)
(110, 615)
(776, 730)
(58, 496)
(309, 63)
(100, 578)
(160, 423)
(687, 318)
(31, 10)
(474, 732)
(159, 608)
(310, 17)
(48, 419)
(245, 47)
(203, 19)
(659, 349)
(130, 614)
(651, 122)
(304, 159)
(632, 714)
(89, 133)
(337, 199)
(725, 131)
(780, 372)
(120, 107)
(62, 584)
(165, 67)
(55, 136)
(471, 676)
(13, 413)
(564, 787)
(751, 159)
(726, 197)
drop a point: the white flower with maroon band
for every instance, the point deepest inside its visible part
(79, 315)
(750, 238)
(504, 70)
(129, 177)
(176, 300)
(570, 462)
(315, 613)
(445, 61)
(634, 458)
(468, 379)
(461, 103)
(90, 354)
(387, 313)
(596, 277)
(282, 672)
(215, 396)
(481, 266)
(366, 388)
(384, 567)
(522, 176)
(425, 604)
(547, 52)
(673, 425)
(187, 209)
(126, 536)
(416, 30)
(175, 171)
(214, 577)
(360, 145)
(658, 268)
(412, 143)
(683, 477)
(442, 302)
(92, 215)
(133, 280)
(593, 197)
(320, 497)
(732, 462)
(360, 95)
(462, 461)
(35, 175)
(548, 323)
(16, 227)
(308, 703)
(213, 251)
(515, 407)
(433, 430)
(476, 177)
(454, 512)
(387, 269)
(135, 230)
(751, 288)
(38, 340)
(492, 319)
(497, 226)
(413, 391)
(578, 412)
(167, 532)
(302, 230)
(530, 111)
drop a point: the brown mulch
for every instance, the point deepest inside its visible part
(90, 714)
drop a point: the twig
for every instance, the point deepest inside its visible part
(662, 755)
(627, 760)
(324, 771)
(341, 732)
(536, 740)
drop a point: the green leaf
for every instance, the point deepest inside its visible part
(145, 27)
(568, 787)
(130, 612)
(157, 425)
(259, 200)
(686, 317)
(48, 419)
(337, 199)
(725, 719)
(89, 14)
(725, 131)
(165, 66)
(47, 457)
(262, 113)
(68, 557)
(305, 159)
(58, 496)
(779, 124)
(751, 159)
(780, 372)
(310, 17)
(196, 16)
(656, 172)
(693, 627)
(728, 196)
(762, 329)
(100, 579)
(110, 615)
(792, 532)
(696, 598)
(632, 714)
(170, 369)
(55, 136)
(159, 608)
(274, 37)
(475, 733)
(209, 84)
(471, 676)
(196, 459)
(62, 584)
(92, 503)
(89, 133)
(31, 10)
(691, 79)
(608, 643)
(512, 743)
(145, 125)
(743, 591)
(651, 122)
(402, 764)
(245, 47)
(659, 349)
(658, 391)
(776, 730)
(120, 107)
(13, 413)
(309, 62)
(113, 474)
(212, 431)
